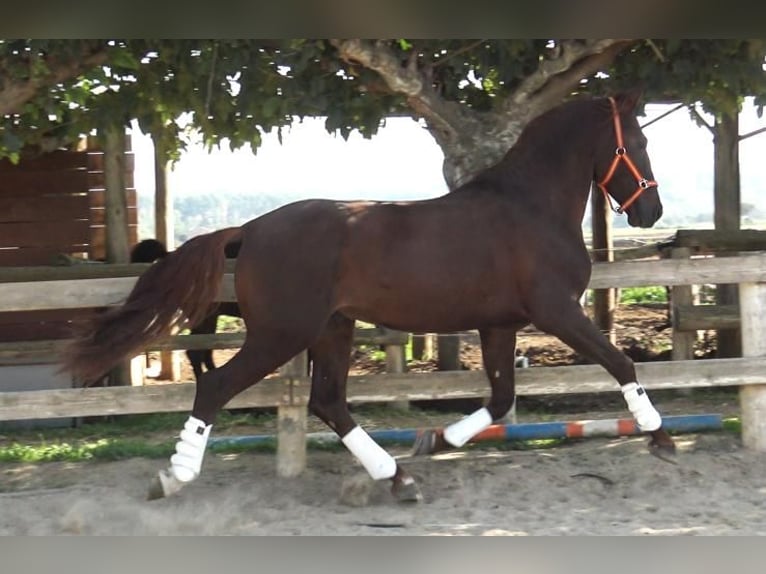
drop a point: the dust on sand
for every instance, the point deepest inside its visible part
(597, 486)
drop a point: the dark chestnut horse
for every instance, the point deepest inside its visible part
(504, 250)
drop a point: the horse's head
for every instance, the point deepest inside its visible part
(148, 251)
(623, 170)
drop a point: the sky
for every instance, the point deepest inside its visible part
(403, 162)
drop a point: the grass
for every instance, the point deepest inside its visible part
(107, 442)
(639, 295)
(128, 436)
(101, 449)
(732, 425)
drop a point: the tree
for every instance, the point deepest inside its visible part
(53, 91)
(476, 96)
(33, 73)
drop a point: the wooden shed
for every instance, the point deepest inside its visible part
(52, 212)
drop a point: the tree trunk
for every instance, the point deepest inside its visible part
(116, 205)
(727, 214)
(477, 145)
(164, 229)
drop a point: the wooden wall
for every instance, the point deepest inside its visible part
(53, 204)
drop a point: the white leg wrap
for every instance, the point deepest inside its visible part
(459, 433)
(376, 461)
(186, 463)
(641, 407)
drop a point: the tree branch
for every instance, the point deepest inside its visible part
(15, 93)
(752, 133)
(407, 80)
(700, 119)
(558, 86)
(555, 77)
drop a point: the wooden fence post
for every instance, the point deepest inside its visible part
(681, 295)
(604, 300)
(423, 346)
(752, 301)
(291, 420)
(396, 362)
(418, 346)
(116, 217)
(448, 353)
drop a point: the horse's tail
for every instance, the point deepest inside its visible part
(179, 288)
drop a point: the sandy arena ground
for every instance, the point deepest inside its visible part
(594, 487)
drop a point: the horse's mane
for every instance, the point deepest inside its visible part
(542, 134)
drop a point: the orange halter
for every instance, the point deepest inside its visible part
(621, 154)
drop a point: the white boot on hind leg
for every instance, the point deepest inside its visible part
(186, 463)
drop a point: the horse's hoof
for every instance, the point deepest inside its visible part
(663, 451)
(155, 489)
(406, 490)
(428, 441)
(164, 484)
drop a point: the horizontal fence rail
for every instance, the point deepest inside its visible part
(75, 291)
(26, 350)
(277, 391)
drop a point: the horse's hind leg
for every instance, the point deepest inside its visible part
(330, 356)
(199, 357)
(498, 350)
(262, 352)
(569, 323)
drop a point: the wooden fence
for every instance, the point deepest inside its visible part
(687, 315)
(87, 286)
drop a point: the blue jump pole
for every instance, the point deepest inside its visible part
(510, 432)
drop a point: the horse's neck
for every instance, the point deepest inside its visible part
(554, 172)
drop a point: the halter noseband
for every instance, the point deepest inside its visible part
(621, 154)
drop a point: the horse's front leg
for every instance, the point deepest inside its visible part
(567, 321)
(498, 350)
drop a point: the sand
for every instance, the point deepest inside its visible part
(598, 486)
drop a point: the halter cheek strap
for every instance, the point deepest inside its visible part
(621, 156)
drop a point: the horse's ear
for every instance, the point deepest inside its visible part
(627, 101)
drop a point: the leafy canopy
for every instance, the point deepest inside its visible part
(239, 89)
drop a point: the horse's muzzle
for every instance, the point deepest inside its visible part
(644, 216)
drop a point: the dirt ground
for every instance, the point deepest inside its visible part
(597, 486)
(592, 487)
